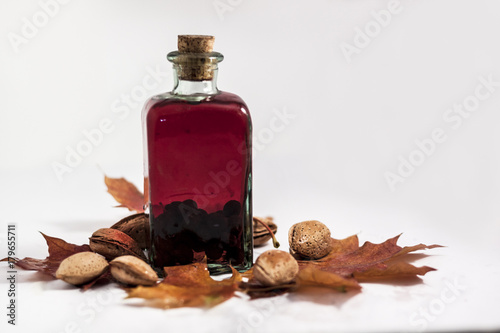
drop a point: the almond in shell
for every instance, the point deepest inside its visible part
(81, 268)
(133, 271)
(137, 227)
(112, 243)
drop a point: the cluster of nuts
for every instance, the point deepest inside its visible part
(307, 240)
(122, 246)
(83, 267)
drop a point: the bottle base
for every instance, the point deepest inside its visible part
(218, 269)
(214, 269)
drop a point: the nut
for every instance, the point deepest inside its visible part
(137, 227)
(309, 240)
(81, 268)
(275, 267)
(132, 270)
(113, 243)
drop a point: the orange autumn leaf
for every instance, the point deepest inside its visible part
(125, 193)
(188, 286)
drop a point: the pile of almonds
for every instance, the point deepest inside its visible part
(119, 249)
(122, 245)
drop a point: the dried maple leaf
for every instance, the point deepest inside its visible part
(125, 193)
(311, 276)
(345, 266)
(370, 261)
(392, 271)
(189, 286)
(256, 290)
(307, 277)
(58, 251)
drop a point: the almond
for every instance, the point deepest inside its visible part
(309, 240)
(275, 267)
(113, 243)
(81, 268)
(137, 227)
(133, 271)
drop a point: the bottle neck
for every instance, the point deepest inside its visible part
(195, 74)
(183, 87)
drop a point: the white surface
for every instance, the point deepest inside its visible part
(352, 121)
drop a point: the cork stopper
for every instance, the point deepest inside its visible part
(195, 61)
(195, 43)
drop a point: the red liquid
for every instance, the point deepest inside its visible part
(199, 167)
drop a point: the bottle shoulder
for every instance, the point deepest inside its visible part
(228, 97)
(223, 99)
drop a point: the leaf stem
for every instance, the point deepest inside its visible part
(276, 244)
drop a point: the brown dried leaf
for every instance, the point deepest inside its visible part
(125, 193)
(188, 285)
(254, 289)
(346, 265)
(368, 261)
(58, 251)
(392, 271)
(311, 276)
(308, 276)
(342, 246)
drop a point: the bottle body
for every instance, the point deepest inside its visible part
(199, 166)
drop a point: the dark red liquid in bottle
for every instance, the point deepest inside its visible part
(199, 169)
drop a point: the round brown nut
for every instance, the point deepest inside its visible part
(309, 240)
(132, 270)
(81, 268)
(275, 267)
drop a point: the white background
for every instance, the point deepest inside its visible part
(354, 117)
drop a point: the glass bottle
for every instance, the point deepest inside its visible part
(198, 166)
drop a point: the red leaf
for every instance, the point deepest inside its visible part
(58, 251)
(125, 193)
